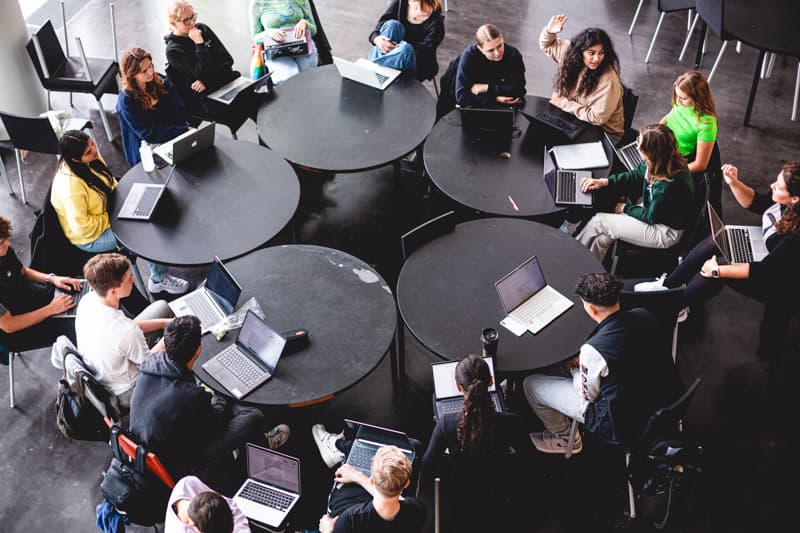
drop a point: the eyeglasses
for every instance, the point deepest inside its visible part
(189, 20)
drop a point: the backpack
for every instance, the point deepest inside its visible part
(76, 416)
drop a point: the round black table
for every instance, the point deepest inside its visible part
(474, 175)
(446, 293)
(226, 201)
(322, 121)
(347, 308)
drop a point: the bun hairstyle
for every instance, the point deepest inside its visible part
(790, 221)
(475, 431)
(569, 77)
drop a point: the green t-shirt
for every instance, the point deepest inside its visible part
(690, 128)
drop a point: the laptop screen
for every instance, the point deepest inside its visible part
(222, 286)
(477, 119)
(718, 231)
(273, 468)
(261, 341)
(444, 378)
(520, 284)
(378, 434)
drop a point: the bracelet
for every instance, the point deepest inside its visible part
(47, 278)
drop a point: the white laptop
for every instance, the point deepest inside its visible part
(628, 153)
(186, 144)
(272, 487)
(447, 399)
(366, 72)
(213, 301)
(142, 199)
(528, 299)
(738, 244)
(565, 185)
(228, 92)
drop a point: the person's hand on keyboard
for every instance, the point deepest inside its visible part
(556, 24)
(592, 184)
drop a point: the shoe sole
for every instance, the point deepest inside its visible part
(177, 291)
(557, 452)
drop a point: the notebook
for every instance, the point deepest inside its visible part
(528, 299)
(628, 153)
(447, 399)
(186, 144)
(369, 439)
(491, 125)
(228, 92)
(213, 301)
(580, 155)
(737, 244)
(565, 185)
(272, 487)
(366, 72)
(76, 296)
(251, 360)
(142, 199)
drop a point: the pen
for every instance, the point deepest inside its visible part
(513, 204)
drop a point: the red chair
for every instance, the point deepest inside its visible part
(152, 462)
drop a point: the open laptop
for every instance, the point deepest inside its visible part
(494, 125)
(366, 72)
(738, 244)
(186, 144)
(565, 185)
(76, 296)
(272, 487)
(231, 90)
(447, 399)
(369, 439)
(627, 153)
(251, 360)
(142, 199)
(213, 301)
(528, 299)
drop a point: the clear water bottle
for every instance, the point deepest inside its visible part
(147, 157)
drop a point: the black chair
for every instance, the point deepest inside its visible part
(13, 353)
(630, 101)
(667, 306)
(664, 7)
(320, 39)
(60, 73)
(713, 14)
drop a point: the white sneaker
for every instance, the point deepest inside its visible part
(169, 284)
(651, 286)
(326, 442)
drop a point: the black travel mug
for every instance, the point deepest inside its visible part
(489, 337)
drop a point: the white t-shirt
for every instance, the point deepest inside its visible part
(186, 489)
(110, 342)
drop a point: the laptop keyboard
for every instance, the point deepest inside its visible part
(228, 96)
(201, 308)
(266, 496)
(532, 309)
(240, 366)
(632, 154)
(361, 457)
(566, 186)
(739, 241)
(381, 78)
(455, 406)
(147, 201)
(564, 126)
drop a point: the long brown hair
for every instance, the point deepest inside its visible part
(130, 66)
(790, 221)
(695, 85)
(657, 142)
(431, 5)
(475, 431)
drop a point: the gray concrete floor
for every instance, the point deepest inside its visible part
(743, 413)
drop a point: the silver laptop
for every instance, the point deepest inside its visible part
(186, 144)
(447, 399)
(565, 185)
(142, 199)
(272, 487)
(369, 439)
(228, 92)
(76, 296)
(213, 301)
(628, 153)
(738, 244)
(366, 72)
(528, 299)
(251, 360)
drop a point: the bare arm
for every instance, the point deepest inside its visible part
(13, 323)
(702, 156)
(348, 474)
(743, 193)
(154, 324)
(740, 271)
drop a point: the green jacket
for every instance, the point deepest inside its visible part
(666, 202)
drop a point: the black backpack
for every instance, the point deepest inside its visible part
(76, 416)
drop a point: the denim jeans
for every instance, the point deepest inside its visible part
(283, 68)
(402, 57)
(107, 242)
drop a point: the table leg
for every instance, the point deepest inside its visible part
(700, 44)
(754, 87)
(393, 360)
(397, 171)
(137, 276)
(400, 342)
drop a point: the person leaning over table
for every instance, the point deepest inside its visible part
(148, 106)
(587, 83)
(666, 187)
(268, 18)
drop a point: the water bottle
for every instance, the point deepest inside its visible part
(256, 61)
(147, 157)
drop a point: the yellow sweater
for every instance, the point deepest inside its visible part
(81, 210)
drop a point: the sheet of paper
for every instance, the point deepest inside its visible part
(581, 155)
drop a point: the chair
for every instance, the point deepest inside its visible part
(713, 14)
(57, 72)
(13, 352)
(126, 443)
(630, 100)
(321, 39)
(664, 7)
(666, 305)
(101, 398)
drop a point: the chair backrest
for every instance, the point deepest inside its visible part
(53, 54)
(31, 133)
(713, 13)
(668, 6)
(320, 39)
(700, 228)
(665, 305)
(665, 421)
(95, 392)
(427, 231)
(629, 102)
(152, 462)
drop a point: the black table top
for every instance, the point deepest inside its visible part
(446, 292)
(319, 120)
(473, 174)
(770, 25)
(347, 308)
(226, 201)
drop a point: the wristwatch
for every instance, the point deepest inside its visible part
(715, 272)
(47, 278)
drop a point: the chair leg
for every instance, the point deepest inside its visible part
(104, 118)
(635, 16)
(18, 155)
(688, 37)
(435, 87)
(675, 342)
(653, 41)
(796, 93)
(631, 495)
(11, 355)
(8, 181)
(436, 504)
(716, 63)
(571, 441)
(49, 105)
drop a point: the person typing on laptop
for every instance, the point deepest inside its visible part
(269, 18)
(769, 280)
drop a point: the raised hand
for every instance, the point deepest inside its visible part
(556, 23)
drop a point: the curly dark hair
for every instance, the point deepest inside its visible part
(601, 289)
(475, 431)
(790, 221)
(569, 76)
(182, 338)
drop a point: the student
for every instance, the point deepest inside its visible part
(666, 188)
(407, 35)
(361, 504)
(268, 18)
(194, 507)
(27, 300)
(771, 280)
(623, 373)
(189, 429)
(490, 73)
(110, 342)
(79, 195)
(587, 83)
(148, 105)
